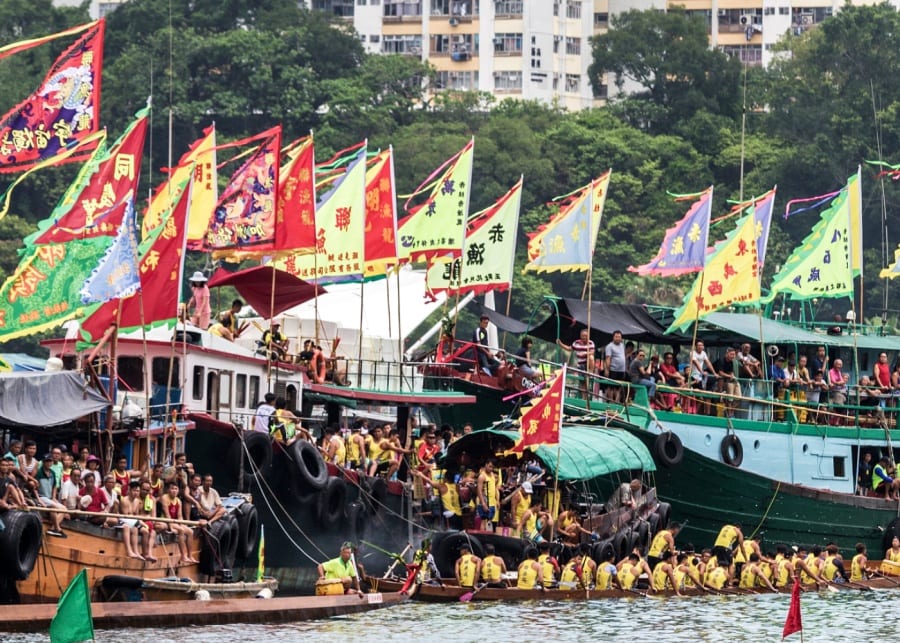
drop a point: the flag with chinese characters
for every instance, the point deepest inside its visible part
(488, 253)
(44, 290)
(199, 160)
(340, 229)
(731, 276)
(542, 418)
(436, 226)
(295, 225)
(244, 217)
(821, 265)
(160, 266)
(86, 209)
(63, 110)
(762, 216)
(381, 215)
(116, 276)
(683, 249)
(567, 242)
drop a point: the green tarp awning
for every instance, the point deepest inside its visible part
(585, 452)
(773, 332)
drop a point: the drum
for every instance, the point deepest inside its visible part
(329, 587)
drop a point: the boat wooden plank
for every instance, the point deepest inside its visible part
(35, 618)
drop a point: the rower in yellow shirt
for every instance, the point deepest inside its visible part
(529, 573)
(468, 567)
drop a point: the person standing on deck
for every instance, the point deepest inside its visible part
(723, 549)
(703, 374)
(485, 360)
(263, 413)
(882, 373)
(584, 350)
(198, 305)
(615, 365)
(728, 369)
(819, 361)
(837, 383)
(662, 545)
(882, 483)
(864, 475)
(488, 497)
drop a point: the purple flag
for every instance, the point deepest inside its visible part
(762, 213)
(684, 248)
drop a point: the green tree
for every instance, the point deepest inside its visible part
(666, 55)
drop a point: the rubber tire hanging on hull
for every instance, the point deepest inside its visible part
(20, 543)
(731, 450)
(248, 530)
(664, 511)
(446, 551)
(256, 459)
(668, 449)
(220, 546)
(377, 490)
(602, 550)
(309, 469)
(641, 538)
(331, 501)
(357, 519)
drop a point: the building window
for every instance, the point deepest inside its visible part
(601, 19)
(573, 46)
(401, 8)
(457, 80)
(374, 37)
(508, 8)
(573, 83)
(361, 3)
(784, 11)
(748, 55)
(341, 8)
(507, 80)
(131, 372)
(573, 9)
(768, 11)
(161, 371)
(508, 43)
(410, 44)
(556, 8)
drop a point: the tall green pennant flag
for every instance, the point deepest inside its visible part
(73, 621)
(822, 265)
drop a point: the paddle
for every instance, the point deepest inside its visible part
(886, 577)
(465, 598)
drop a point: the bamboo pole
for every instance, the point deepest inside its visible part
(103, 514)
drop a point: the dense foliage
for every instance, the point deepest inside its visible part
(830, 102)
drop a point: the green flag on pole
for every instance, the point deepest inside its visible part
(73, 621)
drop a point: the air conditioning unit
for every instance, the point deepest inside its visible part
(460, 39)
(454, 22)
(723, 13)
(747, 19)
(415, 50)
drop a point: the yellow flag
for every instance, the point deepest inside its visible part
(200, 159)
(731, 276)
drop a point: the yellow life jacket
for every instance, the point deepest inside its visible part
(587, 572)
(893, 556)
(716, 577)
(340, 453)
(660, 578)
(490, 570)
(547, 569)
(659, 545)
(569, 575)
(831, 570)
(605, 573)
(527, 577)
(467, 567)
(748, 578)
(353, 451)
(856, 568)
(743, 555)
(629, 574)
(727, 537)
(694, 564)
(450, 499)
(783, 572)
(805, 578)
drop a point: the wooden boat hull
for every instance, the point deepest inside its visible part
(36, 618)
(130, 588)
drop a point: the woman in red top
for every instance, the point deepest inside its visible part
(671, 377)
(171, 503)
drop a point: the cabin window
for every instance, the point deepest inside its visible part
(197, 382)
(240, 391)
(225, 389)
(839, 468)
(131, 372)
(161, 371)
(254, 391)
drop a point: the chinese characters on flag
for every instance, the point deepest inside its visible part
(542, 418)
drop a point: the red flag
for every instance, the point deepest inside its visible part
(381, 215)
(115, 175)
(63, 110)
(792, 622)
(542, 419)
(160, 269)
(295, 225)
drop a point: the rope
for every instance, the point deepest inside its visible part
(771, 502)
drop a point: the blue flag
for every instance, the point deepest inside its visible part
(116, 276)
(762, 214)
(683, 249)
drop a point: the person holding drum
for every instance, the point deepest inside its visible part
(341, 569)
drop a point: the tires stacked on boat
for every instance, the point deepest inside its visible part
(20, 542)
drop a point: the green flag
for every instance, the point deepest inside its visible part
(73, 621)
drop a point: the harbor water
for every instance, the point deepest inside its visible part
(844, 615)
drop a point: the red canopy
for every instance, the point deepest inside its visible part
(255, 286)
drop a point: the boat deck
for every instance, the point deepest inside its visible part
(35, 618)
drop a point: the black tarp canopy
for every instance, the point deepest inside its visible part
(568, 316)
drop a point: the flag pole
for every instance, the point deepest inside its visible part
(362, 299)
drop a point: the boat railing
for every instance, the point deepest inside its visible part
(383, 375)
(753, 399)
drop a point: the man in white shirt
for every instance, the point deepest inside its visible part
(210, 502)
(263, 412)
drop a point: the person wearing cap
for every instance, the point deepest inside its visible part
(778, 377)
(93, 467)
(627, 494)
(520, 502)
(274, 343)
(341, 568)
(48, 495)
(199, 301)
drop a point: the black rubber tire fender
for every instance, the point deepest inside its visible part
(664, 511)
(257, 454)
(602, 549)
(357, 519)
(20, 543)
(231, 549)
(217, 542)
(248, 530)
(668, 449)
(621, 542)
(731, 450)
(641, 539)
(653, 524)
(446, 551)
(119, 581)
(309, 469)
(377, 494)
(331, 501)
